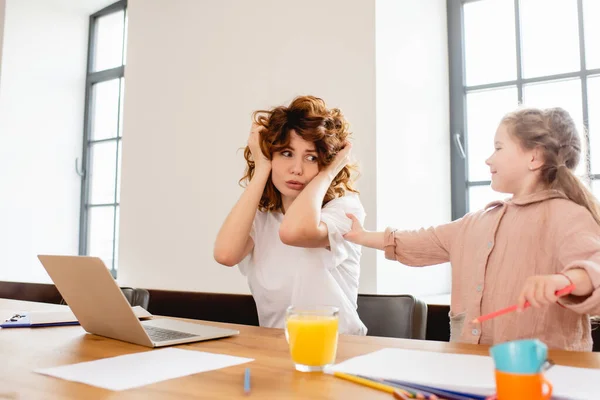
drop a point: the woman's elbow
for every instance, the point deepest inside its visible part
(286, 237)
(292, 237)
(225, 258)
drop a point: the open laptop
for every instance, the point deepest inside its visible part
(101, 308)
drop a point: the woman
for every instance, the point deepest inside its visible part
(286, 230)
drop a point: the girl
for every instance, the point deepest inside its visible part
(544, 238)
(286, 230)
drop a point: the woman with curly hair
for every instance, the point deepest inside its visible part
(286, 230)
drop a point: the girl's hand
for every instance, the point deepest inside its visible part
(357, 231)
(260, 161)
(540, 290)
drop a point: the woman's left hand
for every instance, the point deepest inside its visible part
(540, 290)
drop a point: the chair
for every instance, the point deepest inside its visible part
(135, 297)
(398, 316)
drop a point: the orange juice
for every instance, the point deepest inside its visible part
(312, 338)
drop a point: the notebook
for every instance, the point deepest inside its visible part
(461, 372)
(33, 319)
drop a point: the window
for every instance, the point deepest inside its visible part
(540, 53)
(99, 220)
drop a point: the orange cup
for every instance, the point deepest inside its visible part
(522, 386)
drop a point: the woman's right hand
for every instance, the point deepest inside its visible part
(260, 161)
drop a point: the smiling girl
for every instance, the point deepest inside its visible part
(541, 240)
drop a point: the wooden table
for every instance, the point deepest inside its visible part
(273, 377)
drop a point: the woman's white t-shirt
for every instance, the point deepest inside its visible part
(280, 275)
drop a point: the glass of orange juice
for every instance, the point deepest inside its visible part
(312, 333)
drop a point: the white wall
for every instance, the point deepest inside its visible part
(413, 153)
(195, 72)
(42, 81)
(2, 12)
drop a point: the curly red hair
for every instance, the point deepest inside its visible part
(309, 118)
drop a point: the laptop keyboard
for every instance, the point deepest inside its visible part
(162, 334)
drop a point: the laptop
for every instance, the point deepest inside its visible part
(101, 308)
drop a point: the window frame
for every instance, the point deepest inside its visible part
(460, 183)
(93, 78)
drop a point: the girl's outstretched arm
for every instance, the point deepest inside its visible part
(415, 248)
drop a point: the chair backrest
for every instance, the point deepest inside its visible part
(399, 316)
(218, 307)
(135, 297)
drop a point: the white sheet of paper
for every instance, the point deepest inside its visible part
(574, 383)
(139, 369)
(469, 373)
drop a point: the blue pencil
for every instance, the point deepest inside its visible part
(247, 381)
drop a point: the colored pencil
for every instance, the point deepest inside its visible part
(441, 393)
(369, 383)
(398, 395)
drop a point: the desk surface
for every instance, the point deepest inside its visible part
(22, 350)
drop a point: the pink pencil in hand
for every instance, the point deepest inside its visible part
(494, 314)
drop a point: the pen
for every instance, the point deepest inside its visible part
(247, 381)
